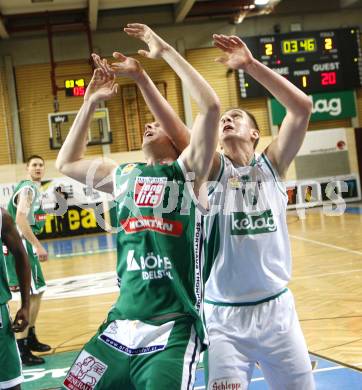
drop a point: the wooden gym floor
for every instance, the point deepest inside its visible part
(326, 282)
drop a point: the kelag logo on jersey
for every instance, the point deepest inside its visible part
(243, 224)
(159, 225)
(148, 191)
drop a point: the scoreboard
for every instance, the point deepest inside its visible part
(74, 87)
(314, 61)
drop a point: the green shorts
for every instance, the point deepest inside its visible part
(133, 355)
(10, 364)
(37, 278)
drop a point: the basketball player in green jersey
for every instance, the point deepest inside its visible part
(10, 363)
(25, 208)
(250, 312)
(155, 331)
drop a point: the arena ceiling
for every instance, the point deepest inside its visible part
(27, 16)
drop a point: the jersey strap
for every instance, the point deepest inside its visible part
(20, 190)
(219, 176)
(275, 174)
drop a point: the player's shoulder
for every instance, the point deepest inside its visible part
(25, 185)
(262, 160)
(127, 168)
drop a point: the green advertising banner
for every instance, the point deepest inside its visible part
(326, 106)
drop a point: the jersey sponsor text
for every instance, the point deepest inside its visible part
(248, 224)
(226, 384)
(159, 225)
(152, 266)
(149, 191)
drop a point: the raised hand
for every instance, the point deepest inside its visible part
(237, 55)
(101, 87)
(102, 63)
(156, 45)
(126, 66)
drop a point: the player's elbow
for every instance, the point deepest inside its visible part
(59, 164)
(302, 110)
(308, 105)
(305, 107)
(214, 106)
(210, 105)
(62, 166)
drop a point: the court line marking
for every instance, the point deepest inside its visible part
(88, 304)
(327, 274)
(314, 371)
(340, 248)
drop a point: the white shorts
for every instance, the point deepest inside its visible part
(268, 333)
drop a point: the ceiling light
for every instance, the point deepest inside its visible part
(261, 2)
(239, 17)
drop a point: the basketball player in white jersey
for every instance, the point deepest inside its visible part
(250, 312)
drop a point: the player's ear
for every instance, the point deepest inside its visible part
(255, 134)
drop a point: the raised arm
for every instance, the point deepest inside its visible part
(158, 105)
(12, 240)
(70, 160)
(199, 154)
(283, 149)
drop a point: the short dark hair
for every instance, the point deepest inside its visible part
(32, 157)
(253, 119)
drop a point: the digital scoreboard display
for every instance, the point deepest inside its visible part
(314, 61)
(74, 87)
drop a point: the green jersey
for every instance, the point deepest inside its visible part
(160, 262)
(5, 294)
(36, 214)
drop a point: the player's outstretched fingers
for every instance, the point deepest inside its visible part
(133, 32)
(96, 59)
(237, 42)
(106, 68)
(101, 65)
(119, 56)
(222, 43)
(138, 26)
(144, 53)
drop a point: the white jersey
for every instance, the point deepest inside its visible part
(247, 234)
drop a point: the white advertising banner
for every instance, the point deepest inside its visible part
(324, 141)
(75, 192)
